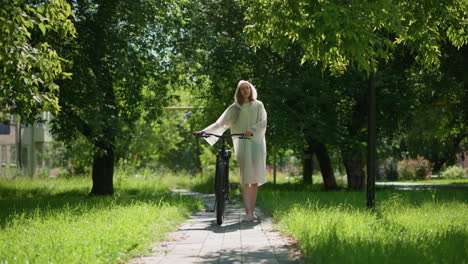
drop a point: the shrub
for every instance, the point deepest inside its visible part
(404, 170)
(390, 170)
(422, 168)
(413, 169)
(453, 172)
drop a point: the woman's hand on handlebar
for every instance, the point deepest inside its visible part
(198, 133)
(248, 134)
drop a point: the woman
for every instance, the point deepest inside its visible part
(246, 115)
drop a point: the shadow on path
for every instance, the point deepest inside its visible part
(201, 240)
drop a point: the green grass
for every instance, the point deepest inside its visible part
(54, 221)
(205, 183)
(336, 227)
(406, 227)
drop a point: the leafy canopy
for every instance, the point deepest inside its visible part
(29, 62)
(357, 33)
(120, 64)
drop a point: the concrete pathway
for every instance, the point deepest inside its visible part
(420, 186)
(201, 240)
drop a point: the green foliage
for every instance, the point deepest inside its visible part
(301, 101)
(118, 67)
(121, 61)
(407, 227)
(31, 61)
(391, 170)
(366, 36)
(360, 34)
(214, 49)
(166, 143)
(435, 125)
(153, 141)
(73, 159)
(413, 169)
(51, 221)
(454, 172)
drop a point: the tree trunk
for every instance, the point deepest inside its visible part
(355, 171)
(103, 173)
(325, 165)
(274, 165)
(437, 165)
(308, 168)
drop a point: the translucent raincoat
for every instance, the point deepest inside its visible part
(250, 153)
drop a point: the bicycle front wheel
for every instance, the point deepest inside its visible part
(219, 191)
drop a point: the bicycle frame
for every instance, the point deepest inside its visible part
(223, 156)
(222, 185)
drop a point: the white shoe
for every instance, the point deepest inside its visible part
(247, 218)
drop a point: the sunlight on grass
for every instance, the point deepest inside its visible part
(407, 227)
(53, 221)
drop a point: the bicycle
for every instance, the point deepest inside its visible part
(222, 185)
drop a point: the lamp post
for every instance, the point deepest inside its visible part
(371, 148)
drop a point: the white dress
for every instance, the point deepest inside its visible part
(250, 153)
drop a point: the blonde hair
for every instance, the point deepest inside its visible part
(238, 96)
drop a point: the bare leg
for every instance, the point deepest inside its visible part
(246, 197)
(253, 197)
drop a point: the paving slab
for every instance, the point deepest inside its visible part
(201, 240)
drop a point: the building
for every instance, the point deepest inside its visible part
(24, 148)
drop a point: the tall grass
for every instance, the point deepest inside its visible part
(54, 221)
(406, 227)
(205, 182)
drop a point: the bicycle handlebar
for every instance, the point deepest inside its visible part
(241, 136)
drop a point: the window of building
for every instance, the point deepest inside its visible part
(13, 155)
(4, 155)
(5, 129)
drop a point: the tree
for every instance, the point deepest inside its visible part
(214, 39)
(302, 112)
(350, 88)
(360, 34)
(436, 124)
(212, 45)
(119, 60)
(167, 143)
(31, 34)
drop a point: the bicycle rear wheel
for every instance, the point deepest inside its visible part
(219, 191)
